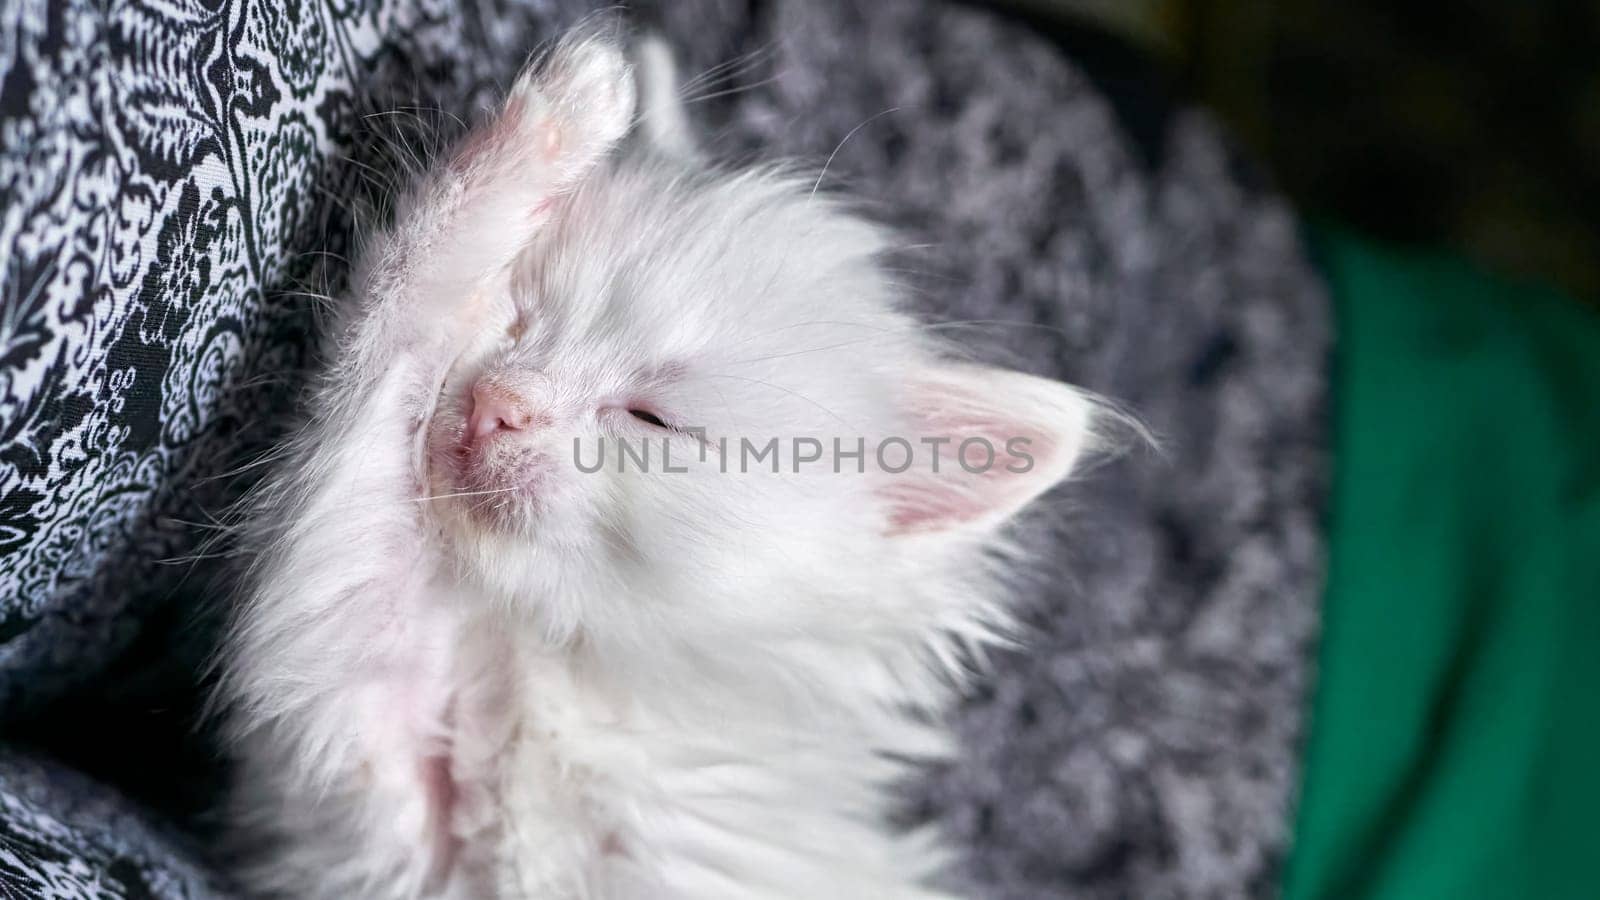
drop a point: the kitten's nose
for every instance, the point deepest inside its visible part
(497, 408)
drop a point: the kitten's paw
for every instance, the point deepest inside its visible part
(578, 102)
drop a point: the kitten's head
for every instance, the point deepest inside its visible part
(701, 408)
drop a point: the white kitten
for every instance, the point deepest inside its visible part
(468, 667)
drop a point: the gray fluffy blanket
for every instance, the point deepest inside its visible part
(168, 180)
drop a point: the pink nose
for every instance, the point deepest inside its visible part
(496, 409)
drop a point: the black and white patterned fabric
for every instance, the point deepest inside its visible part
(65, 838)
(178, 183)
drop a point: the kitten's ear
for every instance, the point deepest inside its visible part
(1003, 438)
(662, 117)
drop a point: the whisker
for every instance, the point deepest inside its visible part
(847, 137)
(438, 111)
(728, 92)
(327, 253)
(732, 68)
(431, 497)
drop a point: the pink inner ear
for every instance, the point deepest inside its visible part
(914, 509)
(926, 502)
(1006, 410)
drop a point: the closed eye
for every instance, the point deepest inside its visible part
(649, 418)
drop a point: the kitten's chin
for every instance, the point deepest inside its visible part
(492, 505)
(498, 515)
(501, 489)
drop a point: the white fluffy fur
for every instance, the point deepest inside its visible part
(503, 678)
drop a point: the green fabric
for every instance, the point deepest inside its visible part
(1455, 740)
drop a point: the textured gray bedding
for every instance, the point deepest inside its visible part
(1144, 744)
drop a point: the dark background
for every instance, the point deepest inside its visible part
(1472, 125)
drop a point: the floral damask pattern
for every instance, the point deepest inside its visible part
(165, 169)
(172, 179)
(62, 838)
